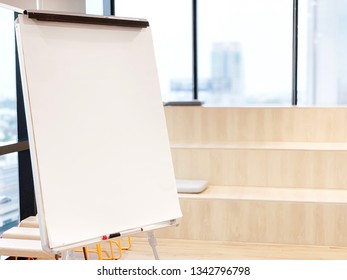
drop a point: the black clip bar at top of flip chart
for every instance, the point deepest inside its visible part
(87, 19)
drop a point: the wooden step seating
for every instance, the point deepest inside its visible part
(263, 215)
(31, 249)
(24, 241)
(29, 222)
(276, 175)
(22, 233)
(268, 164)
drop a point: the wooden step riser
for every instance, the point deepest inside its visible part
(272, 168)
(198, 124)
(319, 224)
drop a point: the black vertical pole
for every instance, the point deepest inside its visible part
(108, 6)
(27, 206)
(295, 54)
(113, 9)
(195, 51)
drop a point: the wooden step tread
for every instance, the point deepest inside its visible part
(23, 248)
(170, 249)
(29, 222)
(271, 194)
(30, 219)
(22, 233)
(306, 146)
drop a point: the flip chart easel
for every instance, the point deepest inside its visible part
(97, 132)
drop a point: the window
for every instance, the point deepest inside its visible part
(9, 211)
(9, 202)
(245, 52)
(8, 115)
(244, 49)
(171, 25)
(95, 7)
(322, 52)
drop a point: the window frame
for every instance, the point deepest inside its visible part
(21, 147)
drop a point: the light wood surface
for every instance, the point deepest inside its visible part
(170, 249)
(293, 124)
(288, 146)
(276, 175)
(29, 223)
(261, 221)
(177, 249)
(263, 167)
(23, 248)
(22, 233)
(24, 241)
(270, 194)
(30, 219)
(272, 147)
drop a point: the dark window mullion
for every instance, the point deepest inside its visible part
(109, 9)
(27, 206)
(295, 54)
(195, 51)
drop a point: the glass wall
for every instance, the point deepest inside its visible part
(9, 198)
(245, 52)
(244, 49)
(9, 190)
(95, 7)
(322, 52)
(8, 114)
(171, 25)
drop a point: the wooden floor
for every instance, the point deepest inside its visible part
(173, 249)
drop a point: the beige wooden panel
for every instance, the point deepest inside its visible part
(28, 233)
(263, 167)
(179, 249)
(23, 248)
(286, 146)
(323, 224)
(29, 224)
(199, 124)
(271, 194)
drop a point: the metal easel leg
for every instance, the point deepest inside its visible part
(153, 243)
(67, 255)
